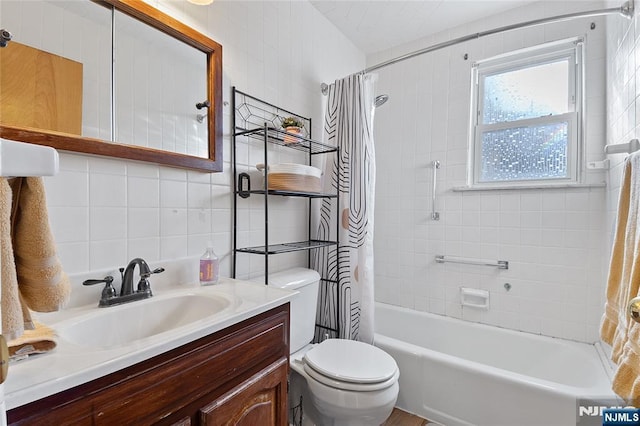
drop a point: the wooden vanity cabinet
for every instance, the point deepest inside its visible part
(237, 376)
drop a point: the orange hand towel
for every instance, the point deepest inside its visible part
(626, 381)
(32, 276)
(623, 284)
(12, 320)
(622, 262)
(43, 283)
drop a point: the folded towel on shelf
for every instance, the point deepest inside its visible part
(40, 340)
(32, 276)
(624, 284)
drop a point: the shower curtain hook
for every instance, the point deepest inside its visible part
(324, 88)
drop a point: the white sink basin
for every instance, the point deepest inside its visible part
(121, 325)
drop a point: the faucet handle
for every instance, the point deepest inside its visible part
(143, 284)
(107, 280)
(155, 271)
(108, 291)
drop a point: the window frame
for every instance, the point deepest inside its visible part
(570, 49)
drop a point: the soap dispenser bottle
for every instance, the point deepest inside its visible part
(209, 266)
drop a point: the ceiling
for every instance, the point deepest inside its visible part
(376, 25)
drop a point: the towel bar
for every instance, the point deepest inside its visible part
(629, 147)
(500, 264)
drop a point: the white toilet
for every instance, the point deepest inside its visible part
(341, 382)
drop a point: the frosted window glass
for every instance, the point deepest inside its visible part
(530, 92)
(525, 153)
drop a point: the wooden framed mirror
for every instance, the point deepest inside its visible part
(210, 117)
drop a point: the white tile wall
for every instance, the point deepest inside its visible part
(104, 212)
(555, 240)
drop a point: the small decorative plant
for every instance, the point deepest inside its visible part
(292, 122)
(292, 125)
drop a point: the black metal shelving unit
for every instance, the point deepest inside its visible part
(256, 119)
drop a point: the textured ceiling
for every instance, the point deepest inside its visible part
(376, 25)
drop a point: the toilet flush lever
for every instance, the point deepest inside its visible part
(634, 309)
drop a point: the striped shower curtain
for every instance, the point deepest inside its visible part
(346, 299)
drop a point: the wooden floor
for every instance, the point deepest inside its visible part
(402, 418)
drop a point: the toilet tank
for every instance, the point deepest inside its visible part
(303, 305)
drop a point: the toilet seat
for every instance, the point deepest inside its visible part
(351, 365)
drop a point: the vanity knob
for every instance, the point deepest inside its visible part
(634, 309)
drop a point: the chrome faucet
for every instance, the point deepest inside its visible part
(127, 294)
(143, 284)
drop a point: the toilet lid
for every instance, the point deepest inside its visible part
(352, 362)
(357, 387)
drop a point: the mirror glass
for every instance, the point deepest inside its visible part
(56, 71)
(74, 84)
(158, 82)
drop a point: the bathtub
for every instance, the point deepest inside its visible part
(456, 372)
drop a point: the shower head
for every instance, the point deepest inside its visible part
(380, 100)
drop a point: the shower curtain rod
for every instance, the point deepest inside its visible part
(625, 10)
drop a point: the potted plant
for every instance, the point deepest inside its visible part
(292, 125)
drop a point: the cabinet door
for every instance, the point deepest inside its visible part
(259, 401)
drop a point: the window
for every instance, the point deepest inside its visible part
(526, 109)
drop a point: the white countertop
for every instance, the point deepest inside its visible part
(70, 365)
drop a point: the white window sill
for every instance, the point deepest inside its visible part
(532, 186)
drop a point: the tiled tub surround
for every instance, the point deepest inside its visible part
(556, 240)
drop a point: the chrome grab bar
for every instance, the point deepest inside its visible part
(434, 214)
(500, 264)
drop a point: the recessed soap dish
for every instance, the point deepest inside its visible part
(474, 298)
